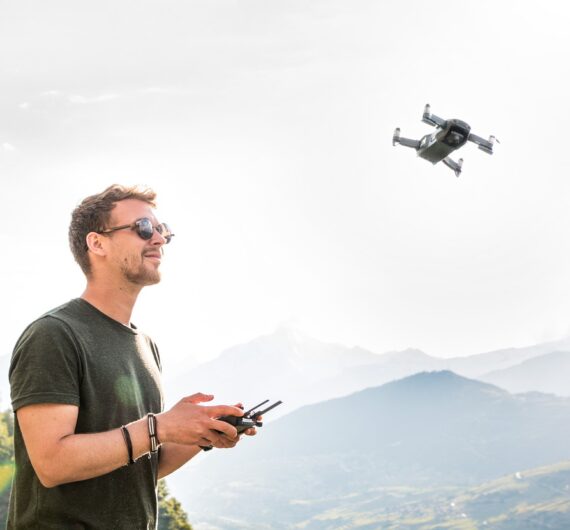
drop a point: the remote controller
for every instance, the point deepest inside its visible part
(249, 419)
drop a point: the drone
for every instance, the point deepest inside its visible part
(448, 136)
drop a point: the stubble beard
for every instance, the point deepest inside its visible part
(135, 271)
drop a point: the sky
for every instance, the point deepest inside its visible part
(266, 128)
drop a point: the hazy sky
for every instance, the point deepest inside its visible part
(265, 127)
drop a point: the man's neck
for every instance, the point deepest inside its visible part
(115, 301)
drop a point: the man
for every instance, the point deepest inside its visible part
(90, 437)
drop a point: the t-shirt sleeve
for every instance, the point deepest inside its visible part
(45, 365)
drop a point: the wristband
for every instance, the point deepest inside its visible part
(128, 443)
(152, 433)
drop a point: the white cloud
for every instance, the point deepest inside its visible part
(8, 147)
(24, 106)
(165, 90)
(83, 100)
(78, 98)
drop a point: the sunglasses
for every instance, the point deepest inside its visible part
(144, 229)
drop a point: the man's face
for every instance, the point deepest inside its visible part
(136, 259)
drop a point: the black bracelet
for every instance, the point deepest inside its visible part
(153, 433)
(129, 444)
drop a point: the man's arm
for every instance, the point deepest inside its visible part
(174, 456)
(59, 456)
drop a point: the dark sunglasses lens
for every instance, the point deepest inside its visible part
(145, 228)
(164, 230)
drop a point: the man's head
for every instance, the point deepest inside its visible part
(117, 230)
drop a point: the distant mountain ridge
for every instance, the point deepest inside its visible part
(284, 365)
(545, 373)
(481, 363)
(299, 370)
(431, 409)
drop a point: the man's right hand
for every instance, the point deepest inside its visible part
(191, 423)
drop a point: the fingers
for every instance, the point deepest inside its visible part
(219, 440)
(216, 411)
(223, 442)
(204, 442)
(198, 398)
(224, 428)
(193, 423)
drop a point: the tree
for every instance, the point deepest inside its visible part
(6, 462)
(171, 516)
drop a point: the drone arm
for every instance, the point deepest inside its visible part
(484, 145)
(397, 139)
(432, 119)
(455, 166)
(409, 143)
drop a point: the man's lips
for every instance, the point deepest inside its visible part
(153, 255)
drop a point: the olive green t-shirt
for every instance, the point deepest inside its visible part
(78, 356)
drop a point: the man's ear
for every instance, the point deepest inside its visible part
(95, 243)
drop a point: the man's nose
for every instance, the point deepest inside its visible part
(157, 238)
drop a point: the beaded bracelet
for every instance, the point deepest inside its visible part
(153, 433)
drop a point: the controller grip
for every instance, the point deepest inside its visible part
(240, 423)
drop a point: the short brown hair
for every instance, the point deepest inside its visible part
(93, 214)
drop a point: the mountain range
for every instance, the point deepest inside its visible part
(428, 432)
(300, 370)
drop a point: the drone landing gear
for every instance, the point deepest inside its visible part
(455, 166)
(397, 139)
